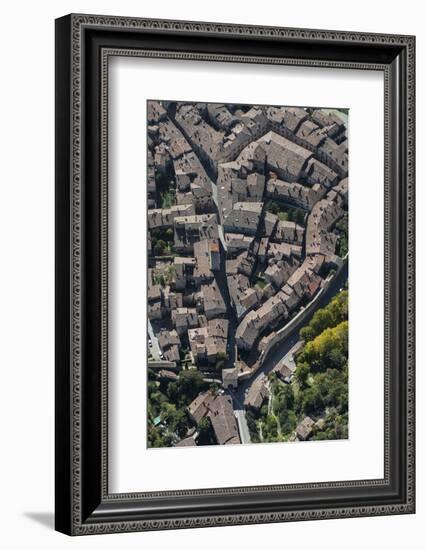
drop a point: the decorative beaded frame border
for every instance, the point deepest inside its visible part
(78, 22)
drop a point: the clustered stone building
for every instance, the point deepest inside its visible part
(217, 239)
(219, 409)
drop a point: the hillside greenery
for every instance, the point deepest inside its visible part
(168, 419)
(319, 388)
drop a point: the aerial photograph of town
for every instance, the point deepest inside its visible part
(247, 285)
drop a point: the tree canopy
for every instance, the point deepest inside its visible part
(329, 316)
(319, 388)
(327, 350)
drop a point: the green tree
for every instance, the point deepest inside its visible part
(296, 215)
(341, 229)
(322, 372)
(159, 247)
(320, 436)
(336, 358)
(284, 398)
(288, 421)
(335, 426)
(273, 207)
(300, 217)
(160, 280)
(302, 373)
(283, 216)
(190, 384)
(252, 426)
(322, 319)
(264, 410)
(327, 349)
(307, 333)
(168, 199)
(169, 274)
(312, 402)
(175, 418)
(329, 316)
(172, 392)
(179, 422)
(270, 428)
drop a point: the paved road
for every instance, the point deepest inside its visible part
(222, 283)
(222, 237)
(240, 415)
(155, 348)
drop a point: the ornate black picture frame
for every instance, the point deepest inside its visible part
(83, 45)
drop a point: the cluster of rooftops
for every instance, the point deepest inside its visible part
(230, 256)
(219, 409)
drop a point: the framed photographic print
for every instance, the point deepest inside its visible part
(219, 361)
